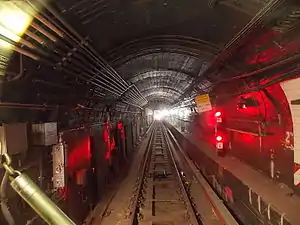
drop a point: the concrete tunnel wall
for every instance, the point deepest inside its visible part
(277, 118)
(90, 173)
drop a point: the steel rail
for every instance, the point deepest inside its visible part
(222, 212)
(159, 140)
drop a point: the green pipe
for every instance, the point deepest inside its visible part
(39, 201)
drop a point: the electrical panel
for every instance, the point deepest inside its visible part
(13, 138)
(58, 160)
(44, 134)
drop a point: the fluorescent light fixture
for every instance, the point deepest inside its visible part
(15, 17)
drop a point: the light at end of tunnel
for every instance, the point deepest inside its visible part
(158, 117)
(219, 138)
(218, 114)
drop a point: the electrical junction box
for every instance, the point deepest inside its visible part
(44, 134)
(13, 138)
(58, 165)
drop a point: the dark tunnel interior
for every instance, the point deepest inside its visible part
(84, 82)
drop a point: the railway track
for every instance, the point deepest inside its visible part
(164, 187)
(162, 196)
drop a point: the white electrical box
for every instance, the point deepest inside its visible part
(44, 134)
(13, 138)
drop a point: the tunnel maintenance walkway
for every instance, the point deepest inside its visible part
(267, 200)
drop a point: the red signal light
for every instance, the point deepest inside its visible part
(219, 138)
(218, 114)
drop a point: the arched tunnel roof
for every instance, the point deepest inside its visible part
(163, 74)
(156, 48)
(159, 46)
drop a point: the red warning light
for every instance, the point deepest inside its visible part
(218, 114)
(219, 138)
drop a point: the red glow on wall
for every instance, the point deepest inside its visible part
(269, 55)
(246, 138)
(120, 127)
(109, 141)
(63, 193)
(80, 155)
(250, 110)
(106, 139)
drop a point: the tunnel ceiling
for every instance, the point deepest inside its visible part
(90, 54)
(111, 23)
(159, 46)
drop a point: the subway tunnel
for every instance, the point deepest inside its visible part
(150, 112)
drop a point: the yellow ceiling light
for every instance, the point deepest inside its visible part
(13, 17)
(13, 21)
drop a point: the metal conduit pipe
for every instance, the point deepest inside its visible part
(256, 20)
(56, 30)
(113, 90)
(21, 40)
(135, 91)
(96, 76)
(107, 77)
(124, 111)
(132, 101)
(91, 59)
(103, 84)
(129, 94)
(78, 63)
(35, 37)
(236, 41)
(49, 25)
(135, 101)
(100, 84)
(138, 92)
(87, 55)
(135, 96)
(26, 106)
(140, 100)
(31, 46)
(18, 49)
(101, 80)
(78, 75)
(43, 31)
(91, 51)
(23, 104)
(24, 52)
(22, 107)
